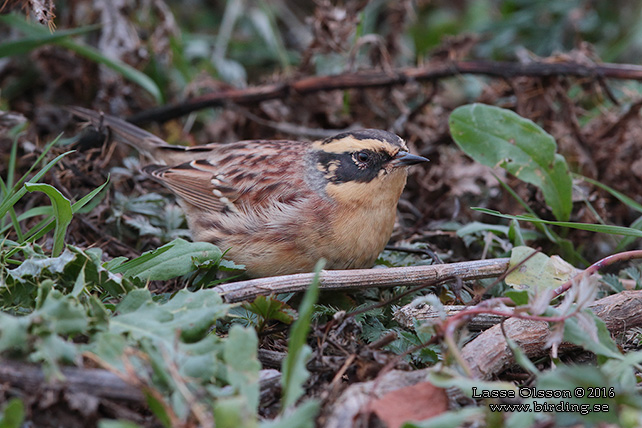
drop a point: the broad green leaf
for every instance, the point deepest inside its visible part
(174, 259)
(231, 412)
(497, 137)
(294, 371)
(62, 212)
(50, 351)
(243, 365)
(515, 234)
(35, 267)
(63, 314)
(109, 347)
(14, 332)
(519, 297)
(600, 228)
(538, 272)
(269, 308)
(190, 313)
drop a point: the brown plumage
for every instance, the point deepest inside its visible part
(280, 206)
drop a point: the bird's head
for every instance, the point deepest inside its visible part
(363, 164)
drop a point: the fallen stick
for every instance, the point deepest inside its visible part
(363, 278)
(407, 315)
(488, 354)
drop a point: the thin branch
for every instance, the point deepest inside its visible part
(362, 278)
(376, 79)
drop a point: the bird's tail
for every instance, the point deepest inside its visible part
(150, 145)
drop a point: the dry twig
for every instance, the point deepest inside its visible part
(362, 278)
(376, 78)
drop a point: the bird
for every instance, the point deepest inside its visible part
(279, 206)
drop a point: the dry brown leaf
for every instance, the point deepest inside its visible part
(412, 403)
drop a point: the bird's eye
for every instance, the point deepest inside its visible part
(363, 157)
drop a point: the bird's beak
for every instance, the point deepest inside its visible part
(403, 158)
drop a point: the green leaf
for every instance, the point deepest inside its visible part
(35, 267)
(520, 356)
(580, 381)
(537, 272)
(13, 414)
(26, 45)
(270, 308)
(18, 193)
(497, 137)
(243, 365)
(520, 297)
(80, 204)
(62, 213)
(631, 203)
(230, 412)
(515, 234)
(159, 409)
(600, 228)
(303, 416)
(476, 227)
(176, 258)
(63, 314)
(190, 313)
(294, 371)
(574, 333)
(14, 333)
(111, 423)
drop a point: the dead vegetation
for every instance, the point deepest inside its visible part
(342, 79)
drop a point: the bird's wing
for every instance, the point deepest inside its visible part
(247, 173)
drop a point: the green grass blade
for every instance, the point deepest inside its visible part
(600, 228)
(33, 166)
(294, 370)
(33, 212)
(9, 202)
(77, 206)
(552, 236)
(637, 224)
(129, 72)
(26, 45)
(620, 196)
(12, 214)
(62, 213)
(11, 168)
(35, 31)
